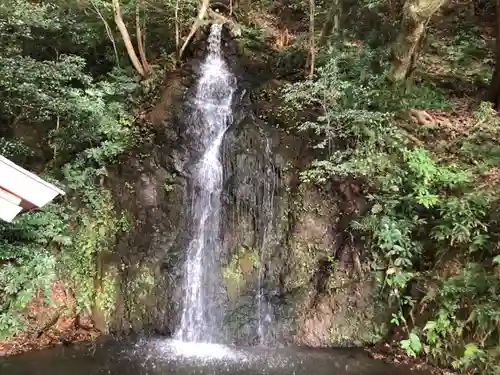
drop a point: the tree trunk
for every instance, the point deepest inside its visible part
(140, 40)
(494, 94)
(416, 14)
(108, 31)
(312, 47)
(177, 27)
(126, 38)
(202, 12)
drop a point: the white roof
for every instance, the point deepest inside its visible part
(18, 186)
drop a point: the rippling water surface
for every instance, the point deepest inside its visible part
(168, 357)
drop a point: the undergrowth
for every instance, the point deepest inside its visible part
(66, 113)
(433, 219)
(63, 240)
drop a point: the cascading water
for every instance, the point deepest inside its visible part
(265, 311)
(212, 110)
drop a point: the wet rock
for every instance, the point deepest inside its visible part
(280, 237)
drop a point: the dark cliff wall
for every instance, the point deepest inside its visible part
(281, 237)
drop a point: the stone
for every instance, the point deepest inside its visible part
(280, 236)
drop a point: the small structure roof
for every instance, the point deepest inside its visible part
(22, 190)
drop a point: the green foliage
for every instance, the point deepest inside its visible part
(157, 19)
(233, 272)
(63, 241)
(426, 213)
(28, 263)
(465, 48)
(12, 147)
(67, 97)
(96, 225)
(412, 345)
(72, 121)
(482, 146)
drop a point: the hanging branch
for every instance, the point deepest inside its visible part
(109, 32)
(126, 39)
(140, 43)
(196, 25)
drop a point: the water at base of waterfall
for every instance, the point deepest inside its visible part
(200, 321)
(170, 357)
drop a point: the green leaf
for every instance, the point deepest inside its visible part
(405, 344)
(470, 350)
(430, 325)
(415, 343)
(376, 208)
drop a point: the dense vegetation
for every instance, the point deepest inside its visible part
(426, 155)
(69, 97)
(65, 113)
(401, 111)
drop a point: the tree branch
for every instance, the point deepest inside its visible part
(126, 38)
(108, 31)
(140, 44)
(196, 25)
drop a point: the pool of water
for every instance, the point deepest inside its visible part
(169, 357)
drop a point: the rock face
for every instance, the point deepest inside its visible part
(286, 273)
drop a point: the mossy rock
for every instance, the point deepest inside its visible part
(240, 272)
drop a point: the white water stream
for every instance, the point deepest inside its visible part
(212, 107)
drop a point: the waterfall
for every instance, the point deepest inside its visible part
(212, 113)
(265, 313)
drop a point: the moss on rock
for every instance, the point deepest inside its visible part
(239, 271)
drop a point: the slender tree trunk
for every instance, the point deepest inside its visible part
(202, 11)
(494, 94)
(108, 31)
(312, 45)
(140, 41)
(416, 14)
(177, 27)
(126, 38)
